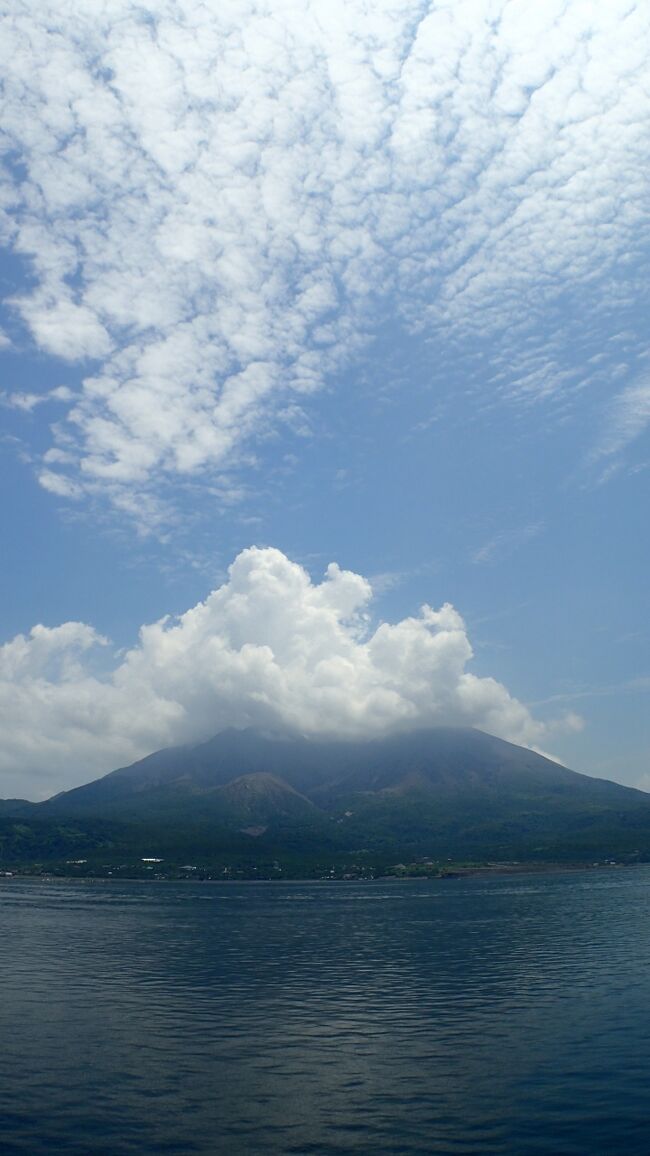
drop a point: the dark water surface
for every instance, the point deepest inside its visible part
(484, 1015)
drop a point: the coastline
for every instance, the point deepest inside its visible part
(453, 873)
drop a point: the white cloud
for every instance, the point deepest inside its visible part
(64, 329)
(506, 543)
(267, 648)
(628, 418)
(211, 191)
(29, 401)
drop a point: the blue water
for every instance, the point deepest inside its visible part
(484, 1015)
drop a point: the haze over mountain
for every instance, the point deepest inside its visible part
(444, 793)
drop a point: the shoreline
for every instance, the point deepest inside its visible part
(454, 873)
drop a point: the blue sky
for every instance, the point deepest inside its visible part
(290, 286)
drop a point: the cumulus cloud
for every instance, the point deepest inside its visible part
(207, 194)
(268, 648)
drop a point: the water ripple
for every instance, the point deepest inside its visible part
(484, 1016)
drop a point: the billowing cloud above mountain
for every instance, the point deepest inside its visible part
(207, 193)
(268, 648)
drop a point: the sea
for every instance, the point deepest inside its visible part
(481, 1015)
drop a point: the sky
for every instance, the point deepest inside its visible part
(324, 380)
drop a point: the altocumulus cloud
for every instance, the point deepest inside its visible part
(205, 193)
(268, 648)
